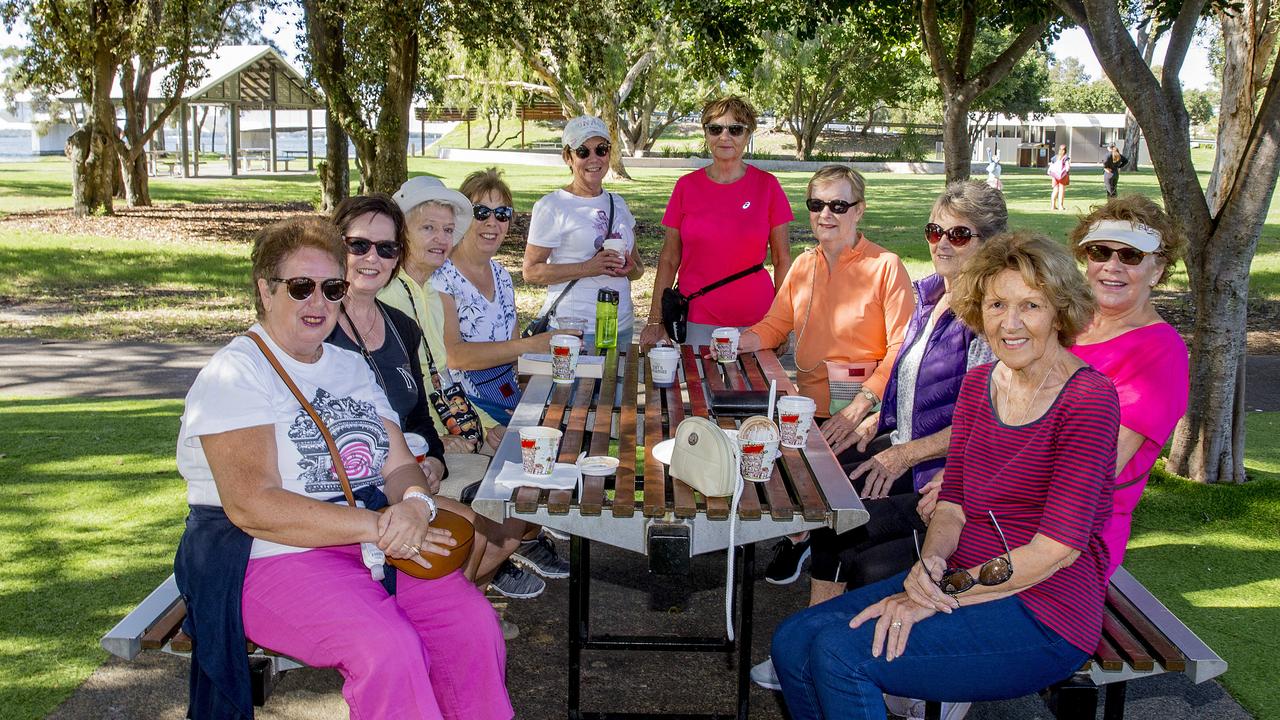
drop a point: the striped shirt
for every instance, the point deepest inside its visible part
(1053, 476)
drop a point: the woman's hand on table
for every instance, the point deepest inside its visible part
(929, 498)
(652, 334)
(921, 585)
(841, 431)
(457, 444)
(867, 430)
(881, 470)
(895, 616)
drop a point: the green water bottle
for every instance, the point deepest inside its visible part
(607, 318)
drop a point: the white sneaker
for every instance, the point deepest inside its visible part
(913, 709)
(765, 676)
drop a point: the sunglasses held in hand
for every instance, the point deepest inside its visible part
(839, 207)
(502, 212)
(358, 246)
(300, 288)
(960, 235)
(995, 571)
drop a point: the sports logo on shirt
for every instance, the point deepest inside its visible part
(362, 441)
(746, 205)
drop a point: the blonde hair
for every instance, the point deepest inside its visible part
(1137, 209)
(839, 173)
(1043, 264)
(481, 182)
(740, 109)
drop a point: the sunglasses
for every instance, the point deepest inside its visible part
(960, 235)
(358, 246)
(995, 571)
(502, 212)
(300, 288)
(734, 130)
(1102, 253)
(583, 152)
(839, 207)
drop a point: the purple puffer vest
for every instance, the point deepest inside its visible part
(942, 369)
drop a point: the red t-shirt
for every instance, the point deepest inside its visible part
(725, 229)
(1053, 476)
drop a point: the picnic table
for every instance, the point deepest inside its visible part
(643, 509)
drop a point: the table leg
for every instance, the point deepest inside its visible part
(579, 617)
(745, 610)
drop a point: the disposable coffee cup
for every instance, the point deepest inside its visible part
(564, 357)
(724, 343)
(417, 445)
(617, 245)
(664, 361)
(795, 418)
(756, 458)
(539, 447)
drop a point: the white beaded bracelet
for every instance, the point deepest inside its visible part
(424, 498)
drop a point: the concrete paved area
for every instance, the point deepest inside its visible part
(628, 599)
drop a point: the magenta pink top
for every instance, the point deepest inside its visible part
(725, 229)
(1149, 369)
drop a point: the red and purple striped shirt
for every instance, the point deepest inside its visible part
(1053, 476)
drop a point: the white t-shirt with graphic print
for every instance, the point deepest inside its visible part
(239, 389)
(575, 228)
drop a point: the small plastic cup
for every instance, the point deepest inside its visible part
(417, 445)
(564, 357)
(664, 361)
(539, 447)
(795, 418)
(572, 323)
(724, 343)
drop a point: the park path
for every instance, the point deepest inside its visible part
(626, 597)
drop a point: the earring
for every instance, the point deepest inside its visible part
(1152, 283)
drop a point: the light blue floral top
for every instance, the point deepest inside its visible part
(479, 319)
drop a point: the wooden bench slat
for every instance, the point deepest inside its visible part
(1107, 655)
(655, 481)
(181, 642)
(165, 627)
(1164, 649)
(592, 500)
(624, 499)
(1125, 642)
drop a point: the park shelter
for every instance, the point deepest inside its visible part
(239, 78)
(1031, 142)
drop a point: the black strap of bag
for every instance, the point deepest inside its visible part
(447, 399)
(675, 305)
(542, 323)
(726, 280)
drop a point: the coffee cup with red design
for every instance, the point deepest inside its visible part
(564, 357)
(795, 418)
(539, 447)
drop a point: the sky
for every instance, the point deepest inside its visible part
(1072, 43)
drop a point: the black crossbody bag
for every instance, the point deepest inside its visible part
(675, 305)
(542, 323)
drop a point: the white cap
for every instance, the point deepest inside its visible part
(582, 128)
(1137, 235)
(417, 190)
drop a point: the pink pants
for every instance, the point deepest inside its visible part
(433, 650)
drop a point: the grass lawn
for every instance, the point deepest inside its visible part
(127, 287)
(91, 510)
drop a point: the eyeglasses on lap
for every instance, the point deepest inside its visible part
(300, 288)
(716, 129)
(995, 571)
(960, 235)
(358, 246)
(583, 152)
(502, 212)
(839, 207)
(1102, 253)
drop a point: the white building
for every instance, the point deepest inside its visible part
(1033, 142)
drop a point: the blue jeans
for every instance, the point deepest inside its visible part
(493, 409)
(992, 651)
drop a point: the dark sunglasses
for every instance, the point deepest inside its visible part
(995, 571)
(583, 152)
(839, 207)
(300, 288)
(734, 130)
(502, 212)
(1102, 254)
(358, 246)
(960, 235)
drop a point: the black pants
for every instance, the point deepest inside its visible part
(879, 549)
(1109, 180)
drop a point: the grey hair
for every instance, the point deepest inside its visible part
(980, 204)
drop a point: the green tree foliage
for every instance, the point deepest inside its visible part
(1072, 90)
(1020, 94)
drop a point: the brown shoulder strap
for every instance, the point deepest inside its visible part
(315, 417)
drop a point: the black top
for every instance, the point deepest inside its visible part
(1114, 165)
(399, 372)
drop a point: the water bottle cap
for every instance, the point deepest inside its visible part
(607, 295)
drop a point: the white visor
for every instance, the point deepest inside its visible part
(1137, 235)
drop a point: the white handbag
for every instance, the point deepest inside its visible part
(704, 458)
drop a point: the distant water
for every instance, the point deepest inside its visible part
(15, 145)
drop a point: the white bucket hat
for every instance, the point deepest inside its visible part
(582, 128)
(1133, 234)
(417, 190)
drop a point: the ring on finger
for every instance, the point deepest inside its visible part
(896, 624)
(406, 546)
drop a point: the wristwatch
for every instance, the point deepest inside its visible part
(431, 503)
(871, 397)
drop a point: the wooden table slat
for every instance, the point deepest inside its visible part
(1125, 642)
(773, 370)
(555, 407)
(752, 366)
(1165, 651)
(592, 500)
(777, 501)
(526, 499)
(558, 501)
(624, 501)
(693, 381)
(685, 506)
(736, 381)
(807, 493)
(712, 371)
(655, 481)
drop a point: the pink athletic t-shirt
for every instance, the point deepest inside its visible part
(725, 229)
(1149, 367)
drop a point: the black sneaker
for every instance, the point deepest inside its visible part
(539, 555)
(513, 582)
(788, 560)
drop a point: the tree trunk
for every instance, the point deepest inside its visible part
(609, 111)
(137, 187)
(92, 148)
(334, 172)
(956, 150)
(1245, 56)
(1132, 132)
